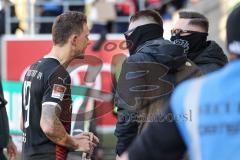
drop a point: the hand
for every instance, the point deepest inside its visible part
(124, 156)
(92, 137)
(11, 150)
(83, 143)
(117, 157)
(86, 142)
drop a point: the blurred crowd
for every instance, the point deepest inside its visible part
(106, 16)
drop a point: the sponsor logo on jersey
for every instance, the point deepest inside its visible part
(58, 91)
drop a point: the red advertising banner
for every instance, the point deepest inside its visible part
(19, 53)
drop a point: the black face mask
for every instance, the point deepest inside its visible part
(191, 43)
(142, 34)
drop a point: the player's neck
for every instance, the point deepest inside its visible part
(61, 54)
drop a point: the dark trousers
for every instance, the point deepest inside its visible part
(2, 157)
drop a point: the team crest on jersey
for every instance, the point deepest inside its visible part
(58, 91)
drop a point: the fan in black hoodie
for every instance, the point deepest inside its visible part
(148, 75)
(210, 58)
(190, 32)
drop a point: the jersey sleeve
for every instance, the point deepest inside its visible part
(57, 87)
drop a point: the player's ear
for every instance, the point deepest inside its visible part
(73, 40)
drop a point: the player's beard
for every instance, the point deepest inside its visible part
(79, 53)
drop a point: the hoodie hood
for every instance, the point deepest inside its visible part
(213, 53)
(164, 52)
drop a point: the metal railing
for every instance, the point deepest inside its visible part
(33, 18)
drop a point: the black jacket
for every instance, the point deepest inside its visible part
(163, 140)
(210, 58)
(153, 65)
(160, 141)
(4, 127)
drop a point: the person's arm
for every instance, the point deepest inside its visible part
(53, 128)
(55, 131)
(123, 157)
(127, 126)
(11, 149)
(126, 130)
(135, 93)
(55, 96)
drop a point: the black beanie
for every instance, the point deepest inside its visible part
(233, 31)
